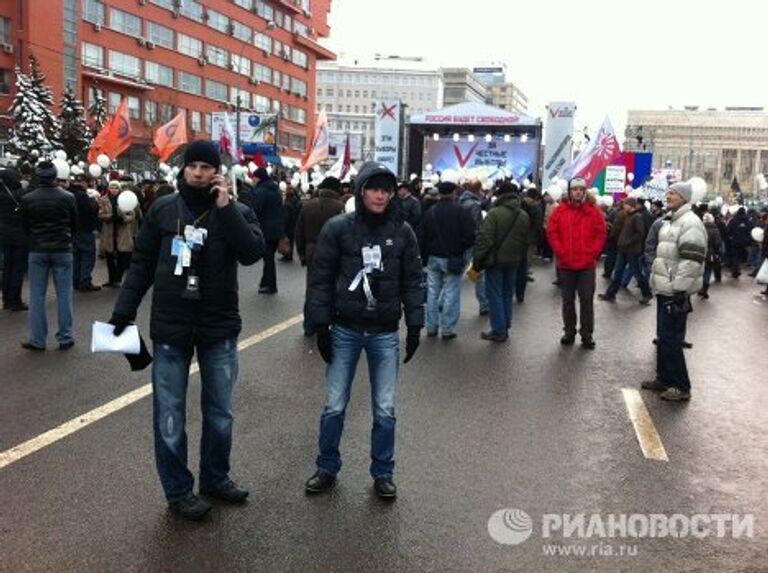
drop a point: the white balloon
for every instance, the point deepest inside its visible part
(435, 179)
(699, 189)
(349, 206)
(758, 234)
(92, 193)
(412, 177)
(75, 171)
(127, 201)
(428, 167)
(718, 200)
(94, 170)
(305, 187)
(283, 186)
(164, 168)
(239, 170)
(487, 186)
(252, 166)
(81, 164)
(60, 154)
(35, 153)
(62, 168)
(563, 184)
(104, 161)
(555, 191)
(630, 177)
(608, 200)
(451, 176)
(733, 209)
(269, 170)
(724, 210)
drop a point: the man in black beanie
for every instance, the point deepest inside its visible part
(189, 247)
(367, 273)
(49, 218)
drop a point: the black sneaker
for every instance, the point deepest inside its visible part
(66, 345)
(646, 300)
(653, 386)
(449, 336)
(385, 488)
(674, 395)
(30, 346)
(606, 297)
(192, 507)
(431, 333)
(320, 482)
(567, 340)
(229, 491)
(588, 342)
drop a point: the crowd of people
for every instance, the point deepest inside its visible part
(375, 251)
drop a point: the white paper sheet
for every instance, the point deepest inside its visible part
(103, 339)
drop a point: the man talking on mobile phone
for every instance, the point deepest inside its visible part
(189, 248)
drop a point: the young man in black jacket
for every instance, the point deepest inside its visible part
(188, 248)
(49, 216)
(367, 270)
(84, 248)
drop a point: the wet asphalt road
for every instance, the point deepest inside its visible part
(481, 427)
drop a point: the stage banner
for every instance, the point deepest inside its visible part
(559, 139)
(387, 135)
(492, 159)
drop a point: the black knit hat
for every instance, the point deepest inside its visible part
(381, 181)
(46, 171)
(446, 187)
(204, 151)
(331, 183)
(261, 174)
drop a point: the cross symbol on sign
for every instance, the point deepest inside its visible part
(387, 111)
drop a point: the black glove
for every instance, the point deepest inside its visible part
(412, 340)
(120, 322)
(324, 344)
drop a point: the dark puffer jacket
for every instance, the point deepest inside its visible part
(49, 215)
(233, 236)
(497, 229)
(338, 259)
(632, 237)
(312, 216)
(11, 227)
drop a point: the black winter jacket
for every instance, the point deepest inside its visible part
(49, 216)
(446, 231)
(233, 236)
(267, 203)
(87, 210)
(338, 259)
(11, 224)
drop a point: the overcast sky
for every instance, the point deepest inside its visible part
(607, 56)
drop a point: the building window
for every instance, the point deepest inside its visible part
(92, 93)
(217, 56)
(93, 55)
(164, 3)
(158, 74)
(373, 93)
(299, 87)
(241, 65)
(300, 29)
(160, 35)
(93, 11)
(261, 103)
(192, 10)
(6, 80)
(277, 78)
(277, 47)
(124, 22)
(113, 102)
(286, 82)
(189, 83)
(278, 18)
(190, 46)
(208, 123)
(357, 93)
(299, 58)
(245, 97)
(298, 141)
(196, 121)
(150, 111)
(265, 10)
(166, 112)
(247, 4)
(262, 73)
(241, 32)
(275, 106)
(124, 64)
(263, 41)
(299, 115)
(329, 91)
(134, 107)
(357, 109)
(215, 90)
(218, 21)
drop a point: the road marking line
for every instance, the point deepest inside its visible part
(645, 430)
(60, 432)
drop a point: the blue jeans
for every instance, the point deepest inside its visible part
(84, 252)
(633, 261)
(499, 285)
(482, 300)
(40, 264)
(170, 376)
(382, 350)
(443, 290)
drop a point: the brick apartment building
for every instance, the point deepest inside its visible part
(201, 56)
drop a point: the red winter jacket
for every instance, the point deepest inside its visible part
(576, 234)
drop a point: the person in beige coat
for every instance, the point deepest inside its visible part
(116, 235)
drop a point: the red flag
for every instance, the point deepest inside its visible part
(114, 137)
(347, 162)
(227, 141)
(603, 150)
(169, 137)
(319, 148)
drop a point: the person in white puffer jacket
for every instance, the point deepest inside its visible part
(677, 272)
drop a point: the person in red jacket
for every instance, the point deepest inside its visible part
(576, 232)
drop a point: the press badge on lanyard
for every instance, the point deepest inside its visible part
(372, 261)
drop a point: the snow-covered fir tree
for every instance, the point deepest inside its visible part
(75, 133)
(97, 111)
(26, 110)
(44, 95)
